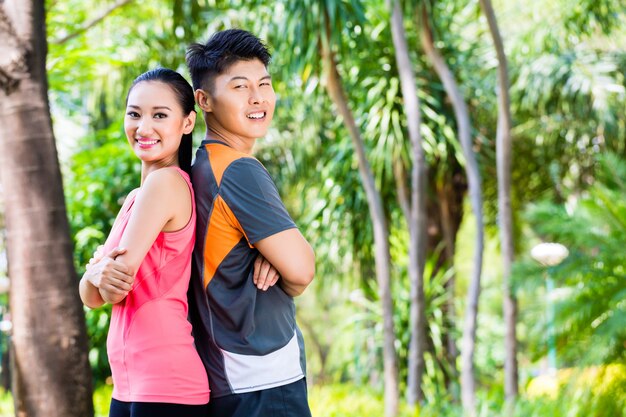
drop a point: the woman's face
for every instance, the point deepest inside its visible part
(154, 122)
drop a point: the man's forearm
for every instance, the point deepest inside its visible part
(291, 289)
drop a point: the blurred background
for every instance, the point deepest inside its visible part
(389, 144)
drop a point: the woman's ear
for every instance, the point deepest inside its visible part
(190, 122)
(203, 100)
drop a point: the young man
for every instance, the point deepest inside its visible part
(244, 326)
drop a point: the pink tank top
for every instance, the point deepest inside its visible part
(150, 347)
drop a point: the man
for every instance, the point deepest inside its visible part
(244, 326)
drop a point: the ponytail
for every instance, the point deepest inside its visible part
(184, 153)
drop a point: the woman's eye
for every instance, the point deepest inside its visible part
(160, 115)
(132, 114)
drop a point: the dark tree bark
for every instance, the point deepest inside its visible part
(51, 376)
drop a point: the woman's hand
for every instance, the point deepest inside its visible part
(96, 257)
(112, 278)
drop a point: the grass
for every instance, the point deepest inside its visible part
(589, 392)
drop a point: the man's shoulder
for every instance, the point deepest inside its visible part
(238, 167)
(224, 152)
(226, 162)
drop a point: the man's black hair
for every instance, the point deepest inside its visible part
(223, 49)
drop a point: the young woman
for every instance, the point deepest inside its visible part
(156, 368)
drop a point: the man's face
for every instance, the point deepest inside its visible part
(242, 101)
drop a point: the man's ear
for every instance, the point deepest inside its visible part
(203, 100)
(190, 122)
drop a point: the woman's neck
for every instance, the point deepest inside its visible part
(148, 168)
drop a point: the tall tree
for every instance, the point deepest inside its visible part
(317, 26)
(472, 171)
(51, 375)
(414, 207)
(336, 91)
(503, 162)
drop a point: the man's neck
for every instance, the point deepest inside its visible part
(234, 141)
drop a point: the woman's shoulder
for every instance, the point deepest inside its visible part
(171, 191)
(130, 196)
(166, 186)
(169, 178)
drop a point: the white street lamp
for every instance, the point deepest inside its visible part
(550, 254)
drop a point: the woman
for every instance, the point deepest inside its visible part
(156, 369)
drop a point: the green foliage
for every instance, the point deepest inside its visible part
(592, 281)
(102, 400)
(354, 345)
(96, 182)
(347, 401)
(589, 17)
(314, 22)
(6, 404)
(598, 392)
(594, 393)
(567, 97)
(437, 369)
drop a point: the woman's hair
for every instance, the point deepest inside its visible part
(184, 94)
(208, 60)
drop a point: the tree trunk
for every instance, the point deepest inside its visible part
(51, 376)
(503, 158)
(379, 222)
(445, 214)
(322, 348)
(474, 183)
(449, 228)
(416, 209)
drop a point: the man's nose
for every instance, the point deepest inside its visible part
(256, 97)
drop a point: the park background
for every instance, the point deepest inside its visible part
(423, 150)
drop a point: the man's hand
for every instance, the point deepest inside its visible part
(290, 253)
(265, 275)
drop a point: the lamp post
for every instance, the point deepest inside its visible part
(550, 254)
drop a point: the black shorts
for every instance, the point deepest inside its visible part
(285, 401)
(138, 409)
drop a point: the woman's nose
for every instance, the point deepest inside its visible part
(144, 127)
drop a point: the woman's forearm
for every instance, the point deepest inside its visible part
(89, 293)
